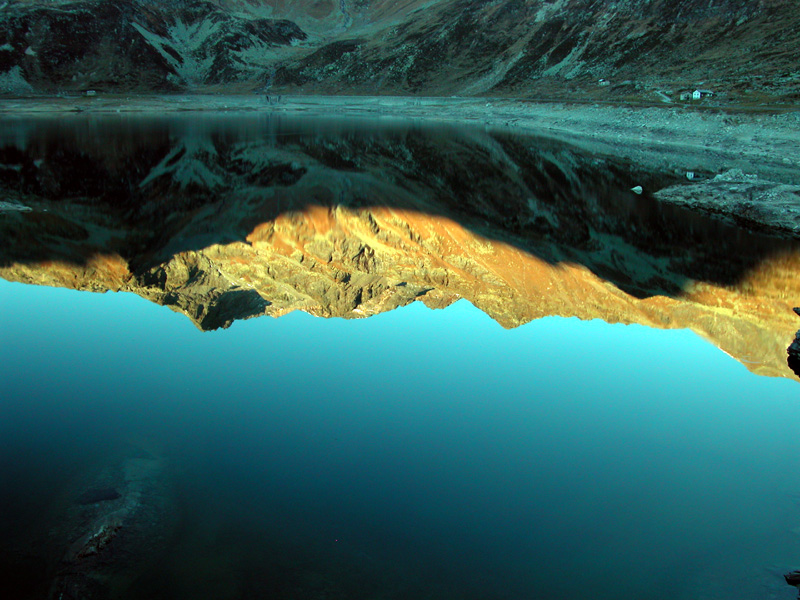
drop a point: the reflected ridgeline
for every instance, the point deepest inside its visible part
(226, 218)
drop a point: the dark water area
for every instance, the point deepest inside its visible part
(415, 454)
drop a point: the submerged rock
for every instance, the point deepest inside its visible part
(114, 532)
(98, 495)
(100, 534)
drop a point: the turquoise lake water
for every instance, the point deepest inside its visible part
(415, 454)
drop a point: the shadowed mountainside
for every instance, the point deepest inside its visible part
(743, 50)
(224, 220)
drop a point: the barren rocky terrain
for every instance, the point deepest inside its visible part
(633, 50)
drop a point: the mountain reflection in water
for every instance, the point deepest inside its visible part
(419, 455)
(230, 218)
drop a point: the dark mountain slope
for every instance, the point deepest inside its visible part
(745, 51)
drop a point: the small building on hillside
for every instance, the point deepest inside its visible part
(696, 94)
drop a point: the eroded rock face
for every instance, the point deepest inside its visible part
(567, 48)
(231, 220)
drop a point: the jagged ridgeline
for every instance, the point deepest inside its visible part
(629, 49)
(227, 219)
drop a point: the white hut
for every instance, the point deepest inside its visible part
(698, 94)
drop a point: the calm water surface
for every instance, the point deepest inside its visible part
(416, 454)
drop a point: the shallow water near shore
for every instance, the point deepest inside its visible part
(470, 440)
